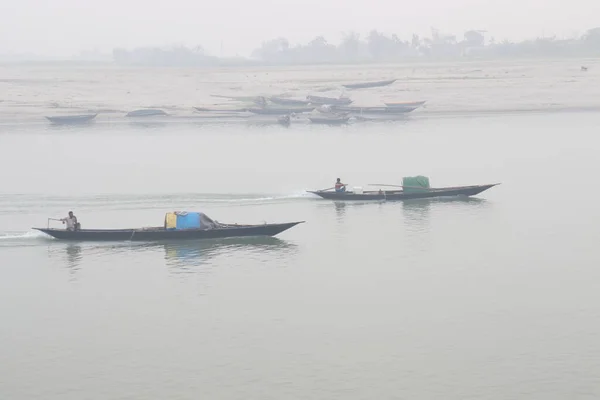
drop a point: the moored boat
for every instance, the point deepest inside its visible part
(374, 110)
(220, 110)
(251, 99)
(280, 111)
(177, 226)
(365, 85)
(334, 101)
(329, 119)
(71, 119)
(406, 104)
(284, 101)
(146, 112)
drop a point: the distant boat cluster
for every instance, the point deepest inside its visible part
(283, 110)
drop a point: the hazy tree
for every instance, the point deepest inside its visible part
(474, 38)
(350, 46)
(272, 50)
(591, 40)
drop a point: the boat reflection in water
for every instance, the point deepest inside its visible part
(73, 257)
(418, 211)
(181, 256)
(185, 254)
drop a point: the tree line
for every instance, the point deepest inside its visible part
(374, 47)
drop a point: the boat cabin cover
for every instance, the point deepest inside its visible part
(180, 220)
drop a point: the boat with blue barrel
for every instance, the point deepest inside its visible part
(178, 225)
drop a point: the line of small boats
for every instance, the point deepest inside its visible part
(195, 225)
(86, 118)
(314, 109)
(337, 111)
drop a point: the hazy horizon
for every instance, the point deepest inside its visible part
(66, 27)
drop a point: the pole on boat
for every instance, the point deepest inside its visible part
(324, 190)
(384, 184)
(52, 219)
(400, 186)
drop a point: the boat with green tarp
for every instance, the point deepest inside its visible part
(413, 187)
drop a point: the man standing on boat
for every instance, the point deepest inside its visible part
(71, 221)
(339, 186)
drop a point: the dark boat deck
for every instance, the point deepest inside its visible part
(391, 195)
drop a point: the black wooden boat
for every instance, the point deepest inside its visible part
(71, 119)
(220, 110)
(375, 110)
(280, 111)
(146, 112)
(330, 120)
(178, 226)
(337, 101)
(365, 85)
(283, 101)
(391, 195)
(403, 104)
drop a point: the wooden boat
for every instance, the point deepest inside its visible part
(288, 102)
(194, 226)
(365, 85)
(236, 98)
(335, 101)
(406, 104)
(280, 111)
(374, 110)
(220, 110)
(329, 119)
(72, 119)
(392, 195)
(146, 112)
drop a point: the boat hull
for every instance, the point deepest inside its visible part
(72, 119)
(280, 111)
(288, 102)
(319, 100)
(366, 85)
(374, 110)
(159, 233)
(393, 195)
(406, 104)
(329, 121)
(148, 112)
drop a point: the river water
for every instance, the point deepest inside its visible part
(496, 297)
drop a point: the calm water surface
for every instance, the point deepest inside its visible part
(492, 298)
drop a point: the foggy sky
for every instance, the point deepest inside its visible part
(65, 27)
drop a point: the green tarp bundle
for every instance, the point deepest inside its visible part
(415, 184)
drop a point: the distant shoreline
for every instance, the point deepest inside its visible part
(260, 64)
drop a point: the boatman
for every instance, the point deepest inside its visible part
(71, 221)
(339, 186)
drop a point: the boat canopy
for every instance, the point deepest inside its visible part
(179, 220)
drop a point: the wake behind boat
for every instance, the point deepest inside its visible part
(177, 226)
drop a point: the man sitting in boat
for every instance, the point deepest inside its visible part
(339, 186)
(71, 221)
